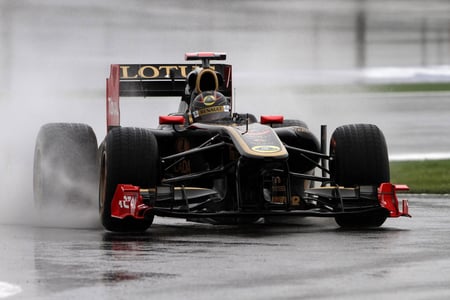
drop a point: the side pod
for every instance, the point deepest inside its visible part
(388, 199)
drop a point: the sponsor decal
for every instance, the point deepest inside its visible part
(128, 202)
(151, 71)
(210, 110)
(209, 100)
(266, 148)
(130, 72)
(113, 107)
(279, 199)
(295, 200)
(182, 144)
(183, 167)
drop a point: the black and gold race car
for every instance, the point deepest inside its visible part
(208, 163)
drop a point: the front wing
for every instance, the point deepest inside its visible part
(133, 202)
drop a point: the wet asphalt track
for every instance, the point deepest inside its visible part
(406, 258)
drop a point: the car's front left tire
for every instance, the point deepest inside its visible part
(127, 156)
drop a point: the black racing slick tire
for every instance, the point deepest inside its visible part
(65, 170)
(359, 156)
(127, 156)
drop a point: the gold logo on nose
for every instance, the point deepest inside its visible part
(266, 149)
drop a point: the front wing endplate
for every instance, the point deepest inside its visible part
(387, 197)
(128, 202)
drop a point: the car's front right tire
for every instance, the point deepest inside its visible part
(359, 157)
(65, 171)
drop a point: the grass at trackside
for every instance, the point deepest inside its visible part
(380, 87)
(410, 87)
(426, 176)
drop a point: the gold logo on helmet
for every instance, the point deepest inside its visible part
(209, 100)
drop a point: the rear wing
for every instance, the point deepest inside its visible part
(153, 80)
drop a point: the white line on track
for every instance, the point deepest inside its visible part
(8, 289)
(420, 156)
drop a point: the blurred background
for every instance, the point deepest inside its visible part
(310, 60)
(61, 38)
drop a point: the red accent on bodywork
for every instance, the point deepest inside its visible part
(272, 119)
(112, 98)
(171, 120)
(227, 75)
(200, 55)
(127, 202)
(388, 199)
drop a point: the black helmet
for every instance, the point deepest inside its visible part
(210, 106)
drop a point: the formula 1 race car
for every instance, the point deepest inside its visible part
(207, 163)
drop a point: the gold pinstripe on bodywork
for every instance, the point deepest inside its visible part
(273, 148)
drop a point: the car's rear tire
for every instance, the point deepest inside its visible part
(127, 156)
(65, 170)
(290, 122)
(359, 156)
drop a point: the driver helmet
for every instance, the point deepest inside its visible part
(209, 107)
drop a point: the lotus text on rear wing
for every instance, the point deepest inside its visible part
(155, 71)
